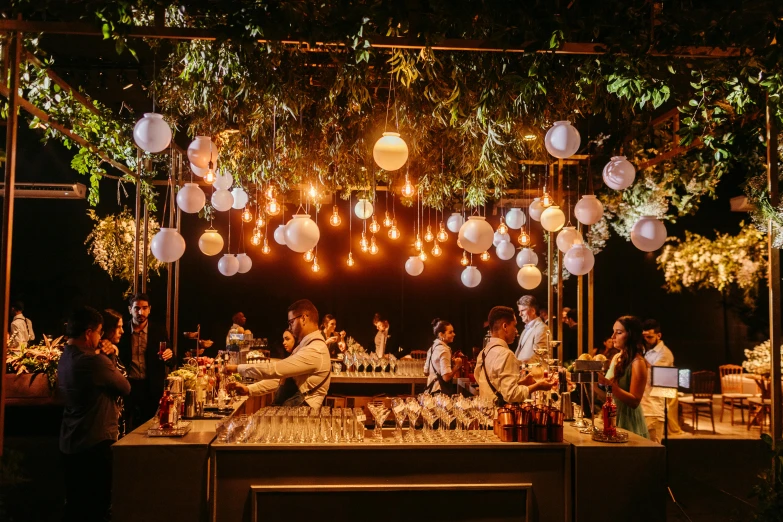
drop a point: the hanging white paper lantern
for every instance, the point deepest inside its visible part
(245, 263)
(505, 250)
(497, 238)
(552, 219)
(223, 180)
(562, 140)
(198, 171)
(526, 256)
(529, 277)
(536, 209)
(167, 245)
(414, 266)
(567, 237)
(240, 198)
(280, 235)
(588, 210)
(222, 200)
(454, 222)
(619, 173)
(471, 277)
(515, 218)
(152, 133)
(476, 235)
(579, 259)
(363, 208)
(648, 234)
(228, 265)
(191, 198)
(390, 152)
(301, 233)
(210, 242)
(201, 151)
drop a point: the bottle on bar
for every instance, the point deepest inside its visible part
(166, 412)
(609, 412)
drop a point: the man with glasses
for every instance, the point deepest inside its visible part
(303, 377)
(535, 333)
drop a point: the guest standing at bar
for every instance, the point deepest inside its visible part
(89, 384)
(438, 365)
(497, 369)
(112, 333)
(534, 335)
(384, 342)
(302, 378)
(334, 340)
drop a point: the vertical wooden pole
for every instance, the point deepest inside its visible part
(560, 325)
(169, 268)
(580, 299)
(138, 224)
(14, 49)
(550, 293)
(591, 309)
(774, 274)
(174, 337)
(145, 251)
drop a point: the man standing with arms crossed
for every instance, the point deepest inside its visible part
(534, 335)
(656, 354)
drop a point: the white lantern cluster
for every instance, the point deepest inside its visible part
(201, 152)
(390, 152)
(152, 133)
(280, 235)
(191, 198)
(536, 209)
(301, 233)
(240, 198)
(648, 234)
(222, 200)
(588, 210)
(167, 245)
(552, 218)
(414, 266)
(505, 250)
(619, 173)
(245, 263)
(566, 238)
(476, 235)
(498, 238)
(529, 277)
(562, 140)
(471, 277)
(579, 259)
(526, 256)
(455, 222)
(210, 242)
(228, 265)
(515, 218)
(363, 209)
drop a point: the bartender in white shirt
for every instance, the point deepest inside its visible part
(534, 335)
(303, 377)
(382, 336)
(497, 369)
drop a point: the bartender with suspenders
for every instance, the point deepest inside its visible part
(303, 377)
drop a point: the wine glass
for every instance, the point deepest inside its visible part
(400, 413)
(414, 410)
(384, 363)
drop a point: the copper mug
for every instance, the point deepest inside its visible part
(505, 424)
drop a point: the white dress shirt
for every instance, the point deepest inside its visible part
(503, 371)
(308, 364)
(438, 360)
(235, 327)
(658, 356)
(23, 328)
(533, 336)
(380, 343)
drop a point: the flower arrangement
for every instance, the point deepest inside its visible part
(111, 244)
(188, 374)
(42, 358)
(758, 359)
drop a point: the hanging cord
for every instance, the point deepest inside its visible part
(568, 193)
(350, 223)
(228, 245)
(394, 210)
(242, 236)
(388, 99)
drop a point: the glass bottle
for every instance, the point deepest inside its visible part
(609, 412)
(167, 411)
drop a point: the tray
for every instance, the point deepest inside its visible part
(622, 436)
(181, 430)
(590, 366)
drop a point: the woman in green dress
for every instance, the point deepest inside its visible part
(627, 374)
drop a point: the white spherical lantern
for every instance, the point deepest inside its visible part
(648, 234)
(454, 222)
(526, 256)
(152, 133)
(201, 151)
(497, 238)
(515, 218)
(552, 219)
(579, 259)
(390, 152)
(280, 235)
(588, 210)
(476, 235)
(223, 180)
(245, 263)
(562, 140)
(363, 208)
(536, 209)
(191, 198)
(228, 265)
(240, 198)
(198, 171)
(222, 200)
(619, 173)
(210, 242)
(471, 277)
(505, 250)
(529, 277)
(414, 266)
(167, 245)
(301, 233)
(567, 237)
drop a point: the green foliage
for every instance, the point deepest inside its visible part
(769, 490)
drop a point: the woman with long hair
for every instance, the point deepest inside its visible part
(438, 366)
(334, 340)
(627, 374)
(112, 332)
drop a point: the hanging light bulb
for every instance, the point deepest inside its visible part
(464, 261)
(423, 255)
(485, 255)
(316, 267)
(364, 243)
(270, 192)
(373, 246)
(312, 193)
(546, 200)
(418, 244)
(260, 221)
(334, 219)
(265, 249)
(255, 240)
(247, 217)
(350, 261)
(442, 236)
(428, 235)
(273, 207)
(374, 226)
(209, 177)
(502, 227)
(524, 239)
(394, 232)
(387, 220)
(407, 190)
(436, 250)
(309, 256)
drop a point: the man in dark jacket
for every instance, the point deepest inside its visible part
(147, 364)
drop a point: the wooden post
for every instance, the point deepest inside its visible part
(560, 325)
(146, 248)
(550, 293)
(774, 275)
(14, 50)
(591, 308)
(580, 299)
(173, 180)
(138, 224)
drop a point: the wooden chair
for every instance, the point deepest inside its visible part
(703, 384)
(419, 355)
(731, 393)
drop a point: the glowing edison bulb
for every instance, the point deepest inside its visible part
(312, 193)
(256, 239)
(247, 217)
(546, 200)
(350, 261)
(273, 207)
(335, 220)
(373, 246)
(524, 239)
(464, 261)
(270, 193)
(502, 227)
(485, 256)
(364, 244)
(309, 256)
(260, 221)
(423, 255)
(407, 190)
(209, 177)
(265, 249)
(316, 267)
(387, 220)
(418, 244)
(374, 226)
(428, 235)
(436, 250)
(442, 236)
(394, 232)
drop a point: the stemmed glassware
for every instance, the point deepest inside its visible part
(400, 413)
(379, 413)
(414, 410)
(384, 363)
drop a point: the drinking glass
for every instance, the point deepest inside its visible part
(337, 428)
(400, 413)
(384, 363)
(359, 418)
(326, 424)
(337, 367)
(379, 413)
(414, 410)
